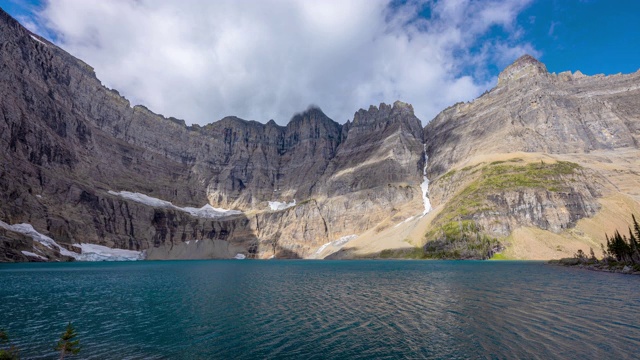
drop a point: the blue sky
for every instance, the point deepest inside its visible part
(259, 60)
(592, 36)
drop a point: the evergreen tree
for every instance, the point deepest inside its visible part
(624, 249)
(619, 247)
(636, 227)
(611, 247)
(66, 344)
(7, 354)
(633, 247)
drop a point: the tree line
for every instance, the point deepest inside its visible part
(622, 248)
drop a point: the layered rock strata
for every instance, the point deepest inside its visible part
(67, 141)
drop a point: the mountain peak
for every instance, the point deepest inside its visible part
(312, 112)
(525, 66)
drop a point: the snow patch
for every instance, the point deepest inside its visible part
(206, 211)
(425, 185)
(38, 40)
(276, 205)
(90, 252)
(240, 257)
(29, 253)
(321, 248)
(93, 252)
(337, 243)
(343, 240)
(27, 229)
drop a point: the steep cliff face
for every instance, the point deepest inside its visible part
(495, 161)
(67, 141)
(373, 173)
(538, 167)
(503, 195)
(253, 163)
(381, 146)
(533, 111)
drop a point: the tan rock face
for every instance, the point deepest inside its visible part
(525, 67)
(533, 111)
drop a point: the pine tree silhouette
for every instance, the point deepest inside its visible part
(7, 354)
(66, 344)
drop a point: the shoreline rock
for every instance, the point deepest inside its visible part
(629, 269)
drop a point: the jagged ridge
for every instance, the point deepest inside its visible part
(67, 140)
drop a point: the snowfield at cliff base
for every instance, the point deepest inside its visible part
(90, 252)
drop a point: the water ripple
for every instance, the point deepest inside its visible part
(320, 310)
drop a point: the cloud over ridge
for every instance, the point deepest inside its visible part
(256, 59)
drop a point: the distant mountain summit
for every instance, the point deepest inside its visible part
(524, 67)
(537, 167)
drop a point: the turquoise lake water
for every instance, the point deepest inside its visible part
(321, 310)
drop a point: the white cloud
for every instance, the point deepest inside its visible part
(257, 59)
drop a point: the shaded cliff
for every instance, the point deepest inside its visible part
(67, 141)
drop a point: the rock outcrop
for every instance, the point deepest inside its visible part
(482, 154)
(533, 111)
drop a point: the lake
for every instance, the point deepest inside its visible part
(321, 310)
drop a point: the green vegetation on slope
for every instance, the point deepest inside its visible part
(462, 239)
(533, 175)
(499, 177)
(499, 256)
(455, 233)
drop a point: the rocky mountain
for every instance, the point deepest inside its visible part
(71, 146)
(539, 156)
(539, 151)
